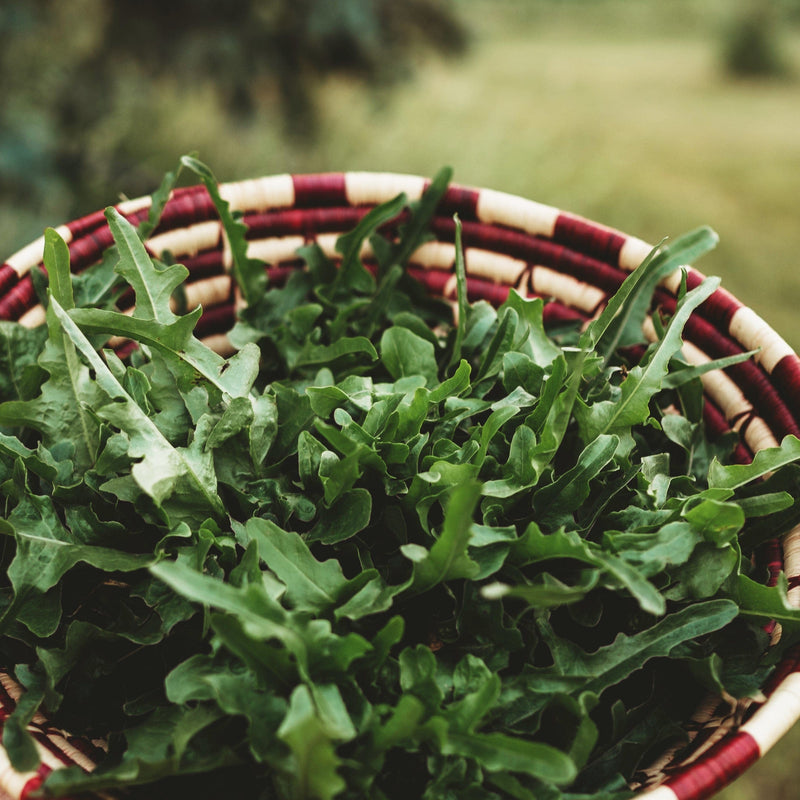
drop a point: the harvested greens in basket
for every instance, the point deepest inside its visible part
(374, 553)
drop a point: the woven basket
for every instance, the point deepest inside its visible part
(574, 264)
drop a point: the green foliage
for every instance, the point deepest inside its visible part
(371, 554)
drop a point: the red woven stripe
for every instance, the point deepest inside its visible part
(434, 280)
(482, 289)
(218, 319)
(749, 377)
(585, 269)
(715, 421)
(16, 302)
(534, 250)
(716, 425)
(188, 205)
(769, 557)
(35, 782)
(125, 349)
(278, 275)
(310, 222)
(137, 217)
(186, 208)
(723, 763)
(720, 308)
(585, 236)
(722, 301)
(8, 277)
(80, 227)
(555, 313)
(772, 556)
(758, 390)
(789, 664)
(126, 298)
(204, 265)
(197, 188)
(87, 250)
(460, 200)
(306, 222)
(741, 455)
(693, 278)
(785, 376)
(327, 189)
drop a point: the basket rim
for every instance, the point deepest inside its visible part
(192, 229)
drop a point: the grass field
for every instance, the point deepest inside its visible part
(615, 110)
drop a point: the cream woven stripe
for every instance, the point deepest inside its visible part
(508, 209)
(41, 724)
(570, 291)
(722, 390)
(435, 255)
(633, 252)
(219, 343)
(207, 293)
(33, 317)
(758, 434)
(791, 561)
(11, 686)
(752, 332)
(79, 758)
(728, 396)
(705, 713)
(672, 281)
(746, 327)
(777, 715)
(47, 758)
(450, 292)
(327, 243)
(366, 188)
(259, 194)
(273, 251)
(29, 256)
(188, 241)
(13, 782)
(493, 266)
(431, 255)
(135, 204)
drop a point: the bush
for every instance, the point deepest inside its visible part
(751, 44)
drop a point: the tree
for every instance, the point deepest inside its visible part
(65, 63)
(751, 44)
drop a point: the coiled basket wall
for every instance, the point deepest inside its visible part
(509, 242)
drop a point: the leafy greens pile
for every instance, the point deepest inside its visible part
(373, 553)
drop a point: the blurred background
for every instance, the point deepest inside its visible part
(653, 117)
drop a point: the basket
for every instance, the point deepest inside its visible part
(509, 242)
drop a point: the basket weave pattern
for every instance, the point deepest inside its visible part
(509, 242)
